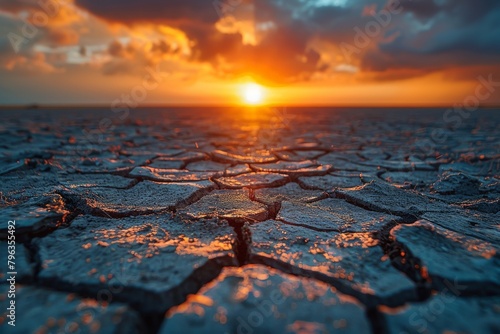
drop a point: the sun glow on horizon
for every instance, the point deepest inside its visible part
(253, 94)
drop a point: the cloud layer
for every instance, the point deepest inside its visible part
(273, 41)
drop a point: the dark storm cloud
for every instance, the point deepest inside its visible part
(455, 10)
(129, 11)
(457, 33)
(431, 34)
(423, 9)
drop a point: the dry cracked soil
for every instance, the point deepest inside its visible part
(251, 221)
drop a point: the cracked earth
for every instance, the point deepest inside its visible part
(251, 221)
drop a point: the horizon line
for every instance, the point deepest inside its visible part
(35, 106)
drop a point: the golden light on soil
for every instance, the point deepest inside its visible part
(253, 94)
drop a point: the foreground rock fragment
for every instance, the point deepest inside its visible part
(37, 215)
(258, 299)
(151, 262)
(411, 205)
(444, 313)
(144, 198)
(24, 265)
(289, 192)
(170, 175)
(253, 180)
(227, 204)
(352, 262)
(379, 196)
(304, 168)
(452, 259)
(329, 182)
(49, 311)
(226, 157)
(333, 214)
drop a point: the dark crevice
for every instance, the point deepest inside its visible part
(377, 320)
(379, 174)
(414, 268)
(465, 288)
(403, 260)
(242, 243)
(271, 208)
(134, 182)
(121, 172)
(251, 195)
(195, 197)
(274, 209)
(34, 258)
(359, 155)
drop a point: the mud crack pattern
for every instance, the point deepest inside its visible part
(252, 221)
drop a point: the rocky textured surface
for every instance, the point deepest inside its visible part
(34, 216)
(246, 221)
(329, 182)
(261, 299)
(252, 180)
(352, 262)
(148, 261)
(290, 192)
(25, 265)
(227, 204)
(144, 198)
(445, 313)
(333, 214)
(49, 311)
(449, 257)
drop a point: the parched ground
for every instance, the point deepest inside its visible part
(251, 221)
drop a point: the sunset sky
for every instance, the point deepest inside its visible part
(300, 52)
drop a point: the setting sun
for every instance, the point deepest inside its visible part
(252, 93)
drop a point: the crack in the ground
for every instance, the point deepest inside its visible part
(34, 258)
(377, 320)
(397, 299)
(414, 268)
(242, 243)
(405, 217)
(404, 261)
(121, 172)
